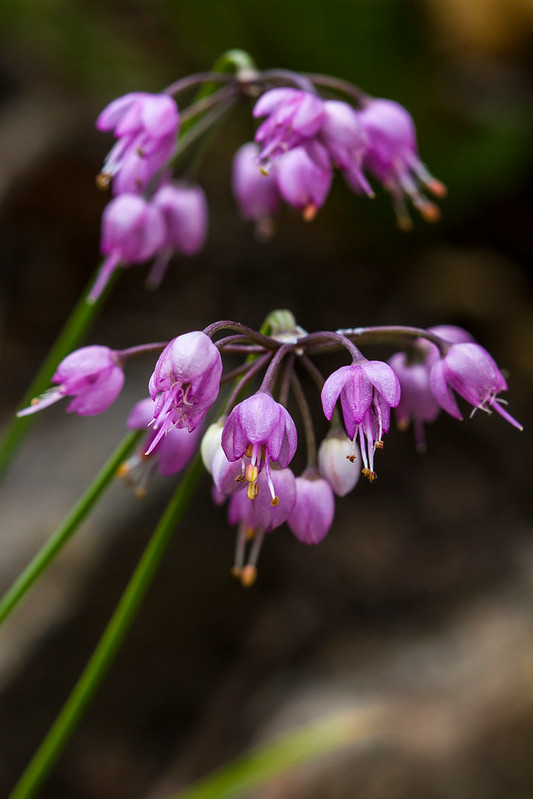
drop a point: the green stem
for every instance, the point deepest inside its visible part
(76, 326)
(59, 538)
(255, 769)
(113, 635)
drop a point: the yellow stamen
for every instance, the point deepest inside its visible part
(274, 501)
(141, 493)
(378, 444)
(251, 473)
(35, 401)
(370, 475)
(249, 450)
(252, 490)
(351, 458)
(123, 470)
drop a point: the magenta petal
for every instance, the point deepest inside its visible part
(332, 388)
(385, 380)
(441, 390)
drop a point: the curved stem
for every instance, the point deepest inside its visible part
(273, 367)
(194, 80)
(251, 335)
(305, 413)
(313, 371)
(106, 649)
(340, 86)
(64, 532)
(323, 338)
(252, 368)
(141, 349)
(284, 75)
(392, 334)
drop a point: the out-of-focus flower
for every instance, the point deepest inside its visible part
(392, 156)
(312, 513)
(292, 117)
(185, 217)
(133, 230)
(255, 192)
(91, 375)
(301, 182)
(146, 126)
(336, 462)
(171, 454)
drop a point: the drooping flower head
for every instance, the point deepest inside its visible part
(185, 383)
(469, 370)
(91, 375)
(146, 126)
(312, 513)
(170, 455)
(367, 391)
(292, 117)
(262, 429)
(392, 156)
(133, 230)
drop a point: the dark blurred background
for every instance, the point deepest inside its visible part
(421, 594)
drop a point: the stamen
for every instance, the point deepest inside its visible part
(102, 181)
(249, 450)
(309, 212)
(252, 490)
(369, 474)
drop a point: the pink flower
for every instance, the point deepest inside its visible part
(417, 402)
(367, 392)
(469, 370)
(185, 383)
(301, 182)
(262, 429)
(184, 213)
(92, 375)
(146, 126)
(133, 230)
(336, 462)
(292, 117)
(168, 457)
(312, 513)
(258, 517)
(256, 193)
(392, 156)
(346, 141)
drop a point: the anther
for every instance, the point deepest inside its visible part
(141, 493)
(249, 450)
(248, 575)
(102, 181)
(309, 212)
(252, 490)
(35, 401)
(251, 473)
(274, 501)
(123, 470)
(369, 474)
(378, 444)
(351, 458)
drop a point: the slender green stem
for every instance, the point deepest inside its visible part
(59, 538)
(76, 326)
(255, 769)
(113, 635)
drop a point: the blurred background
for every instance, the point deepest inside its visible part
(421, 595)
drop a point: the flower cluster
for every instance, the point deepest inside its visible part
(249, 449)
(306, 133)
